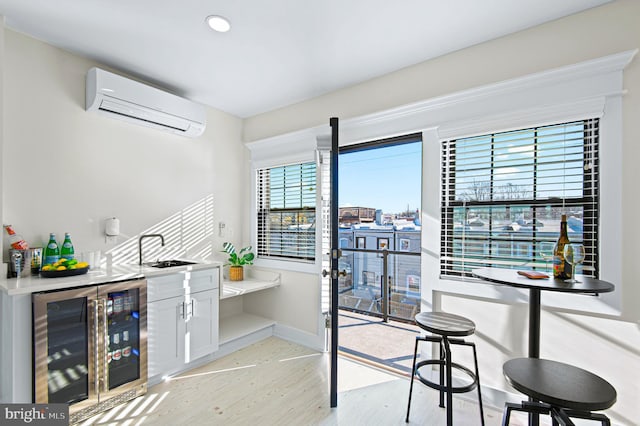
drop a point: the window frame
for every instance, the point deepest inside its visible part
(262, 213)
(277, 157)
(588, 201)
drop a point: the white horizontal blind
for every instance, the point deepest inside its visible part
(286, 202)
(504, 194)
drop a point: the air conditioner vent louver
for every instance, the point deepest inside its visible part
(125, 99)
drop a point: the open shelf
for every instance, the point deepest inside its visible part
(249, 285)
(240, 325)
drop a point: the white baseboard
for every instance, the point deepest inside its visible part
(300, 337)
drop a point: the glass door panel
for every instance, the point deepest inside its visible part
(361, 288)
(404, 285)
(123, 337)
(67, 355)
(362, 282)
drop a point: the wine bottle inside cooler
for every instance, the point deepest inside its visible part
(561, 268)
(116, 353)
(126, 345)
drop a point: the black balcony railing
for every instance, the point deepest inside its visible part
(382, 283)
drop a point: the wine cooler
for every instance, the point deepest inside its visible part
(90, 346)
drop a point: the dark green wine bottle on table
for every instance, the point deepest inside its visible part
(561, 268)
(67, 251)
(51, 251)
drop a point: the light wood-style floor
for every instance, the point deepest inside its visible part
(275, 382)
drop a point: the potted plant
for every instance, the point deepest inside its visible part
(236, 261)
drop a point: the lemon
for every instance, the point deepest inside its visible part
(61, 268)
(72, 267)
(82, 265)
(46, 268)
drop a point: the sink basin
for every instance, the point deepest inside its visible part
(169, 263)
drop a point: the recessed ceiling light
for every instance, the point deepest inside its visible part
(218, 23)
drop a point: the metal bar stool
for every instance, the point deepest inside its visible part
(443, 326)
(564, 391)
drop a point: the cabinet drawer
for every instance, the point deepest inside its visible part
(164, 287)
(202, 280)
(181, 283)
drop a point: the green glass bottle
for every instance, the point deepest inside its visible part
(67, 251)
(51, 251)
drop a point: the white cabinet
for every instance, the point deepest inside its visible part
(182, 311)
(202, 324)
(166, 332)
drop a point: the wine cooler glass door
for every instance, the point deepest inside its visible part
(123, 335)
(124, 346)
(64, 366)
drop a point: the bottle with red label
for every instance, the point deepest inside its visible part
(116, 353)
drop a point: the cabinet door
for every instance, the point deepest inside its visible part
(202, 324)
(166, 334)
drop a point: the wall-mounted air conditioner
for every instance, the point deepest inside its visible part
(126, 99)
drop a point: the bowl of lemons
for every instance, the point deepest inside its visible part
(64, 268)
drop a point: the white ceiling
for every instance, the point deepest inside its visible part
(278, 52)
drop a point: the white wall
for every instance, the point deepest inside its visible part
(606, 344)
(67, 170)
(1, 110)
(292, 304)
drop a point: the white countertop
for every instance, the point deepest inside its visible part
(36, 283)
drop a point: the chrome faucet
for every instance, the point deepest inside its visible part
(140, 244)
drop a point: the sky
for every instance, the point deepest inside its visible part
(388, 178)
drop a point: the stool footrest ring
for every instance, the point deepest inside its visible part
(455, 389)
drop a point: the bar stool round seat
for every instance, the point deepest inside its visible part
(567, 390)
(446, 330)
(445, 324)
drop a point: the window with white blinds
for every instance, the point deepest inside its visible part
(504, 194)
(286, 203)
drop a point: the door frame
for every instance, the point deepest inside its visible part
(335, 245)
